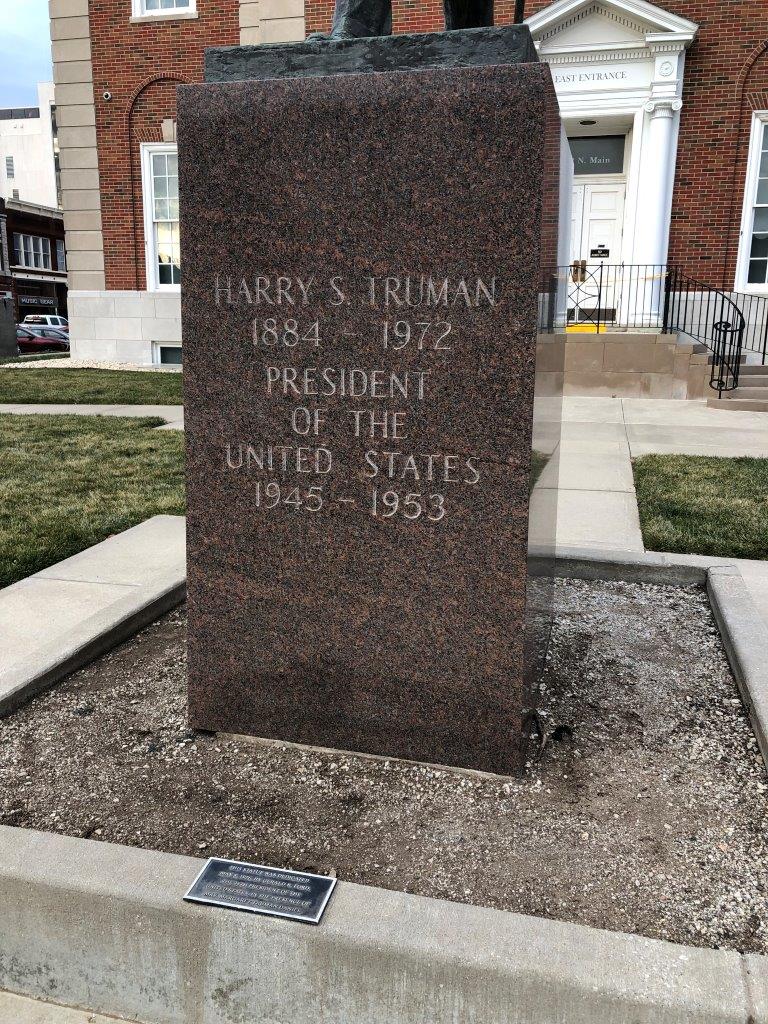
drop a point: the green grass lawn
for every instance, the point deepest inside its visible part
(98, 387)
(700, 505)
(67, 482)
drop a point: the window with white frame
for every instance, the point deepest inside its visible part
(150, 7)
(160, 181)
(9, 168)
(61, 255)
(31, 251)
(752, 272)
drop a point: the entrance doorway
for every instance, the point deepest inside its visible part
(597, 228)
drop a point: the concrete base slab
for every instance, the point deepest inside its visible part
(21, 1010)
(149, 554)
(745, 637)
(103, 926)
(57, 620)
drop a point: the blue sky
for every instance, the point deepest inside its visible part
(25, 51)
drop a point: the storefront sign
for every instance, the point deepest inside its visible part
(37, 300)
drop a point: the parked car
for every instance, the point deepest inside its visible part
(48, 320)
(32, 338)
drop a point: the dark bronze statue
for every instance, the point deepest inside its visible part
(355, 18)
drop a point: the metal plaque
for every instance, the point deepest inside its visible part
(599, 253)
(262, 890)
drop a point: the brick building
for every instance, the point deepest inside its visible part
(666, 107)
(33, 264)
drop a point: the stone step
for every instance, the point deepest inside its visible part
(621, 336)
(755, 370)
(738, 404)
(748, 391)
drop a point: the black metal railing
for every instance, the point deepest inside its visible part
(601, 297)
(710, 317)
(754, 309)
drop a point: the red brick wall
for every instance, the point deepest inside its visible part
(140, 65)
(726, 79)
(407, 15)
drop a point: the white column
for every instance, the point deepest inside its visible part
(655, 195)
(656, 180)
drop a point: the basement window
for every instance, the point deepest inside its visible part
(166, 354)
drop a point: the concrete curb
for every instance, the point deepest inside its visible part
(23, 1010)
(96, 635)
(104, 927)
(629, 566)
(746, 643)
(110, 591)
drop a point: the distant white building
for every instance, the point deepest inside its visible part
(29, 151)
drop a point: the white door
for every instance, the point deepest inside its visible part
(596, 232)
(598, 222)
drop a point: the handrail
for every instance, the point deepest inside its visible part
(713, 318)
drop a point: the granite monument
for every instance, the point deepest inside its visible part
(359, 302)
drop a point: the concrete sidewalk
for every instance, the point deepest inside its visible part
(57, 620)
(592, 469)
(173, 414)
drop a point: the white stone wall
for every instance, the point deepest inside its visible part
(271, 21)
(121, 326)
(29, 141)
(76, 118)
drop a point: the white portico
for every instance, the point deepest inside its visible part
(618, 69)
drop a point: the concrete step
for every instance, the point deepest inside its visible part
(727, 403)
(755, 370)
(621, 337)
(748, 391)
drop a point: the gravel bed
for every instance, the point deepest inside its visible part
(646, 811)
